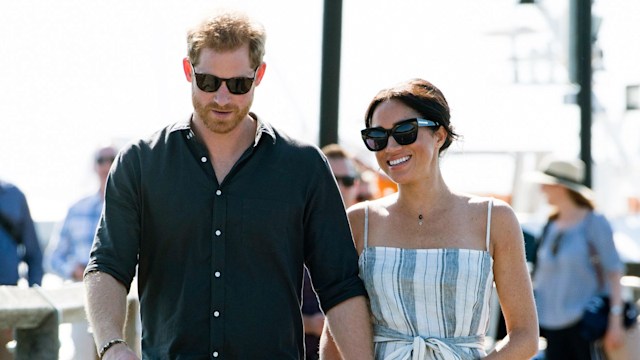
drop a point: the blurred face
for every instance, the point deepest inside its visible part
(405, 163)
(343, 170)
(221, 111)
(554, 193)
(104, 159)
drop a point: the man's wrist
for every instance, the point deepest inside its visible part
(108, 345)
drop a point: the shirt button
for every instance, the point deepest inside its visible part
(203, 159)
(217, 274)
(218, 192)
(215, 354)
(216, 313)
(218, 232)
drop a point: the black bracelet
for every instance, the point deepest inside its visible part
(108, 346)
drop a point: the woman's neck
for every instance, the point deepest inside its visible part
(569, 215)
(423, 197)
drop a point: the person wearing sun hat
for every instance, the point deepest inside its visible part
(565, 278)
(568, 173)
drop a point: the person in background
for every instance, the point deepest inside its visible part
(367, 187)
(429, 255)
(70, 244)
(344, 170)
(18, 243)
(220, 213)
(373, 184)
(565, 277)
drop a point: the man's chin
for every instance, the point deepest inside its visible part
(220, 127)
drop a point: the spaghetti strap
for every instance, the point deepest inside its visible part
(489, 206)
(366, 223)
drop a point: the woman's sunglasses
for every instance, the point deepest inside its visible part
(404, 132)
(211, 83)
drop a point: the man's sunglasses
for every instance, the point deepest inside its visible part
(347, 180)
(105, 160)
(211, 83)
(404, 132)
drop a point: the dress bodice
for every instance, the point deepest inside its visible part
(428, 303)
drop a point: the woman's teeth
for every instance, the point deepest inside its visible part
(399, 161)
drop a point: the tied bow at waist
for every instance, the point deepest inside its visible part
(417, 348)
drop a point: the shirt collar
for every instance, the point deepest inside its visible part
(261, 128)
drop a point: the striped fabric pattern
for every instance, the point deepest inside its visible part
(437, 295)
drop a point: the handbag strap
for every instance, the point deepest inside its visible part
(594, 257)
(538, 244)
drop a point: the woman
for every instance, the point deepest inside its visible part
(566, 277)
(429, 255)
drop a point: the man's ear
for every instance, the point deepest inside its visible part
(260, 73)
(186, 66)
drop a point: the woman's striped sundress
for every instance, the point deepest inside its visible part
(428, 303)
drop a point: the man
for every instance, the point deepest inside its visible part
(71, 244)
(344, 170)
(18, 242)
(219, 213)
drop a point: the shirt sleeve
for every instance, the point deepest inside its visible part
(116, 244)
(330, 254)
(602, 239)
(58, 259)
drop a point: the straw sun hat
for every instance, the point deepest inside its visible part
(567, 173)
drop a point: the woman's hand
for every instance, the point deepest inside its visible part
(615, 335)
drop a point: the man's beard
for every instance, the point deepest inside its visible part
(204, 112)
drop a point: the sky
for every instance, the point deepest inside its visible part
(77, 74)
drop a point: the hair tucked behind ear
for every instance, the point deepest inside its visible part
(423, 97)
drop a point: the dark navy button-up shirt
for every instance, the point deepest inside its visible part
(220, 266)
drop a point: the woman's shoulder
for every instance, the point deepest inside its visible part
(597, 216)
(375, 207)
(498, 206)
(598, 220)
(502, 218)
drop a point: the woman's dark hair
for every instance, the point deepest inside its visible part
(421, 96)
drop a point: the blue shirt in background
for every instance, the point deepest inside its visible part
(565, 278)
(72, 241)
(18, 239)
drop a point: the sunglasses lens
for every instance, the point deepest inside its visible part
(105, 160)
(211, 83)
(239, 85)
(208, 83)
(406, 133)
(375, 139)
(347, 181)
